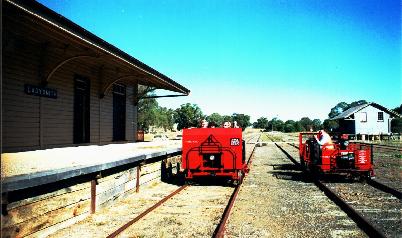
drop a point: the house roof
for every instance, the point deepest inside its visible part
(39, 11)
(353, 110)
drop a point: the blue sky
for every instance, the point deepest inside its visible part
(263, 58)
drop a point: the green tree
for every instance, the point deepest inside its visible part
(330, 125)
(396, 125)
(188, 115)
(242, 120)
(398, 109)
(343, 106)
(164, 118)
(227, 118)
(147, 113)
(289, 126)
(316, 123)
(306, 123)
(215, 118)
(170, 118)
(298, 126)
(338, 109)
(357, 103)
(275, 125)
(261, 123)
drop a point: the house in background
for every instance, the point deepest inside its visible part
(366, 119)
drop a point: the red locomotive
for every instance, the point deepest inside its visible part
(213, 152)
(340, 157)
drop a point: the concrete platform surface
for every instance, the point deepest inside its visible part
(31, 168)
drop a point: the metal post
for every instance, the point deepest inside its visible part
(93, 196)
(137, 183)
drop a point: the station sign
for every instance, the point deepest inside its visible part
(40, 91)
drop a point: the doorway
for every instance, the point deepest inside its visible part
(119, 112)
(81, 110)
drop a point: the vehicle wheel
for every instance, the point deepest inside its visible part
(366, 176)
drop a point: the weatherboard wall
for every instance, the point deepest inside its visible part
(372, 126)
(35, 122)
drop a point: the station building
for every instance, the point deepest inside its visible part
(69, 121)
(64, 86)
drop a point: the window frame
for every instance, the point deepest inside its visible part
(363, 118)
(382, 116)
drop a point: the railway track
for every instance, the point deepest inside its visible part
(220, 228)
(375, 146)
(137, 218)
(382, 147)
(375, 183)
(253, 137)
(376, 212)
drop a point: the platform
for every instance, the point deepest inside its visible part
(33, 168)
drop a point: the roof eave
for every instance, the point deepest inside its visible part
(40, 11)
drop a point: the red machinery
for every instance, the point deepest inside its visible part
(213, 152)
(340, 157)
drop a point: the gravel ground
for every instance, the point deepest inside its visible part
(388, 168)
(194, 212)
(381, 209)
(108, 219)
(276, 201)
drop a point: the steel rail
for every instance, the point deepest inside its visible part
(386, 147)
(361, 222)
(376, 184)
(297, 147)
(385, 188)
(128, 224)
(220, 229)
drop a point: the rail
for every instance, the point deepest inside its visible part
(375, 183)
(137, 218)
(220, 229)
(366, 226)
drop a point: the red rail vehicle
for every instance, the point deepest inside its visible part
(214, 152)
(341, 157)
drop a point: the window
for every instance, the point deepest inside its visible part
(363, 116)
(81, 110)
(119, 112)
(380, 116)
